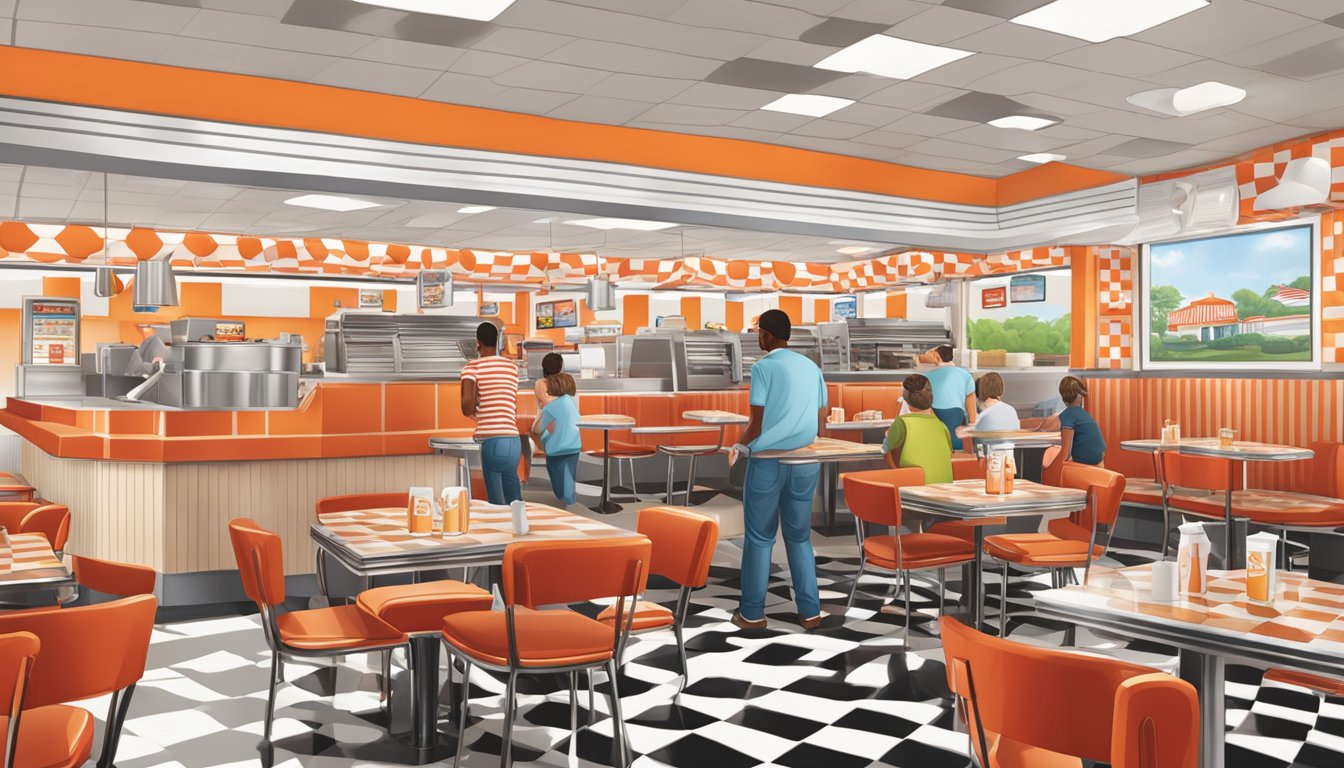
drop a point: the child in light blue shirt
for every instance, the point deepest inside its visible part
(561, 442)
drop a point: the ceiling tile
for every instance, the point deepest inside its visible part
(654, 9)
(528, 43)
(422, 55)
(599, 109)
(744, 16)
(840, 33)
(381, 22)
(1316, 9)
(912, 95)
(620, 27)
(857, 86)
(979, 107)
(244, 60)
(372, 76)
(880, 11)
(871, 115)
(549, 76)
(764, 120)
(1013, 39)
(1255, 138)
(486, 64)
(1057, 106)
(640, 87)
(890, 139)
(927, 125)
(939, 25)
(791, 52)
(1144, 148)
(770, 75)
(1020, 142)
(1123, 56)
(269, 33)
(92, 41)
(273, 8)
(1004, 9)
(1310, 62)
(112, 14)
(633, 59)
(963, 72)
(831, 129)
(1223, 27)
(456, 88)
(1256, 56)
(956, 149)
(679, 114)
(724, 96)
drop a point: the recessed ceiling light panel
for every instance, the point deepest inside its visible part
(478, 10)
(807, 104)
(475, 208)
(636, 224)
(330, 203)
(1187, 101)
(891, 57)
(854, 250)
(1097, 21)
(1022, 122)
(1043, 157)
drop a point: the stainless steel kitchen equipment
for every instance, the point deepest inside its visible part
(386, 343)
(533, 352)
(884, 343)
(690, 360)
(826, 344)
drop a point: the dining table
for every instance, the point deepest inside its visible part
(829, 453)
(374, 542)
(606, 423)
(1301, 627)
(29, 565)
(967, 500)
(1238, 453)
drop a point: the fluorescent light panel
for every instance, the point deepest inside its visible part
(475, 208)
(636, 224)
(330, 203)
(853, 250)
(807, 104)
(1100, 20)
(1042, 157)
(1022, 122)
(890, 57)
(477, 10)
(1206, 95)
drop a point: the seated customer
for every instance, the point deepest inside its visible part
(1080, 437)
(551, 364)
(560, 442)
(919, 438)
(995, 415)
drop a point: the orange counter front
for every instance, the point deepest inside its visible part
(158, 487)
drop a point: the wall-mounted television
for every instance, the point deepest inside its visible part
(1245, 299)
(557, 314)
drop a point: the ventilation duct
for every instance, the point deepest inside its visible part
(1211, 200)
(1159, 214)
(1305, 181)
(601, 294)
(154, 285)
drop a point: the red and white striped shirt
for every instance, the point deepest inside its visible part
(496, 395)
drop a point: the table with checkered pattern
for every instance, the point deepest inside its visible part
(29, 564)
(376, 541)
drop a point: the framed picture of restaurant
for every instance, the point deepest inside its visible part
(1241, 300)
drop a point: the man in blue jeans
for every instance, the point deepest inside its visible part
(490, 397)
(787, 400)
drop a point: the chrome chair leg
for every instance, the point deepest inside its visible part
(1003, 602)
(853, 590)
(681, 654)
(690, 481)
(592, 686)
(462, 723)
(385, 690)
(905, 631)
(116, 716)
(506, 736)
(322, 574)
(619, 735)
(270, 699)
(573, 712)
(670, 467)
(942, 590)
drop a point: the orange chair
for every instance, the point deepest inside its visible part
(18, 652)
(89, 651)
(50, 520)
(113, 578)
(875, 497)
(966, 468)
(1070, 542)
(320, 632)
(522, 639)
(1030, 707)
(1211, 476)
(627, 452)
(331, 504)
(683, 546)
(15, 487)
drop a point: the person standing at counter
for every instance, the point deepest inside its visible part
(953, 393)
(490, 397)
(788, 401)
(561, 443)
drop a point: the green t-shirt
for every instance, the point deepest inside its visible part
(924, 442)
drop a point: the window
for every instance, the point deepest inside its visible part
(1243, 300)
(1023, 313)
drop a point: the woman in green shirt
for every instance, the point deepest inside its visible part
(919, 438)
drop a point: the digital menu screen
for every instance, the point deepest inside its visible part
(557, 314)
(54, 332)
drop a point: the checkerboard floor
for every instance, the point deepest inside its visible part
(848, 695)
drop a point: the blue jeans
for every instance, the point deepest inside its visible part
(499, 466)
(775, 495)
(561, 470)
(952, 418)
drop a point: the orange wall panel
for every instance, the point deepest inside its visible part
(67, 287)
(896, 304)
(634, 312)
(321, 299)
(733, 312)
(201, 299)
(690, 309)
(793, 307)
(409, 407)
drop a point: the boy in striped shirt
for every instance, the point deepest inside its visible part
(490, 397)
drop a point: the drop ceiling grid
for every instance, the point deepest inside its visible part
(645, 63)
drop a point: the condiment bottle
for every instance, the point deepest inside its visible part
(1193, 559)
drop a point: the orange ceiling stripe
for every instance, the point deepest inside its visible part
(1050, 179)
(160, 89)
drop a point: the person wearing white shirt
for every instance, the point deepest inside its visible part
(995, 415)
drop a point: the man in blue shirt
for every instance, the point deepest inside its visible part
(787, 400)
(953, 393)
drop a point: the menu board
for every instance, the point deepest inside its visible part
(1027, 288)
(557, 314)
(52, 331)
(371, 298)
(432, 288)
(230, 331)
(844, 308)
